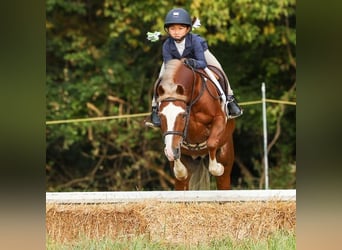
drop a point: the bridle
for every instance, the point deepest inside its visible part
(187, 113)
(193, 100)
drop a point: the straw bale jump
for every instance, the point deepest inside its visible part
(173, 222)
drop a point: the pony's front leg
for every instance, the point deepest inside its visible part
(180, 171)
(215, 168)
(223, 181)
(182, 185)
(181, 174)
(213, 142)
(226, 156)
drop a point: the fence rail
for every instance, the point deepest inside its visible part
(93, 119)
(171, 196)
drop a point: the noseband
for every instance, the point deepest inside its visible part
(184, 133)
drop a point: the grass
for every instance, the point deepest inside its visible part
(277, 241)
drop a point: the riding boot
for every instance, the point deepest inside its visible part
(154, 118)
(233, 108)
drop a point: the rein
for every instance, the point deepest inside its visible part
(188, 108)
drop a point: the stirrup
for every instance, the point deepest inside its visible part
(154, 120)
(149, 124)
(238, 110)
(234, 116)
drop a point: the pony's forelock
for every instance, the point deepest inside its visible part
(168, 82)
(170, 70)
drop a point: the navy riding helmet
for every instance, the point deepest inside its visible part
(177, 16)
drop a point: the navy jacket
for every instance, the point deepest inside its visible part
(194, 48)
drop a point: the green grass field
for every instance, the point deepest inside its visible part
(278, 241)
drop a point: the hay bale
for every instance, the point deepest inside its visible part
(170, 222)
(65, 223)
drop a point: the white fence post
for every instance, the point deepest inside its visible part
(264, 118)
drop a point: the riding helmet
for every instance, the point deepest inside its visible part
(177, 16)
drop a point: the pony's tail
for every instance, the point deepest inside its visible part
(200, 179)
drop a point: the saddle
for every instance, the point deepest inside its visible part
(218, 73)
(221, 78)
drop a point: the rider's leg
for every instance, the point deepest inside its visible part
(233, 109)
(218, 86)
(155, 120)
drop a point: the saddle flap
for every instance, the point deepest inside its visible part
(220, 76)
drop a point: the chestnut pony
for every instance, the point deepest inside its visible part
(197, 135)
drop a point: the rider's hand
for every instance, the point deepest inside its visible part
(190, 62)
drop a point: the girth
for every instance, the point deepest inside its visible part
(194, 147)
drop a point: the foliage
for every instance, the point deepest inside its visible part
(99, 63)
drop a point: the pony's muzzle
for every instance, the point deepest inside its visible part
(173, 154)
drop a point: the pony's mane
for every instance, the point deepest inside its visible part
(170, 70)
(167, 81)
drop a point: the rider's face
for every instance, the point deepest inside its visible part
(178, 31)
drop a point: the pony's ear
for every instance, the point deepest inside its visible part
(160, 90)
(180, 90)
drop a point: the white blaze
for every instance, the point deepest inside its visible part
(171, 112)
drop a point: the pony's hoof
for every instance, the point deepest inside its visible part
(217, 171)
(180, 171)
(181, 175)
(181, 178)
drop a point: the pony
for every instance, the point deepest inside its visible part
(198, 137)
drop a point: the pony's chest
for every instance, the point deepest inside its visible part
(198, 132)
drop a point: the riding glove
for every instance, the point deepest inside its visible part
(190, 62)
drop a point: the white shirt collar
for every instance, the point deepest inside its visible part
(180, 46)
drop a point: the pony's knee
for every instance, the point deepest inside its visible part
(212, 143)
